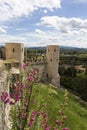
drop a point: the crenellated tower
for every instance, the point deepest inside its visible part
(15, 51)
(52, 56)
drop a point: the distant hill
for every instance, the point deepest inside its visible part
(61, 48)
(72, 48)
(36, 48)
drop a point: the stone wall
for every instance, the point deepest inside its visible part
(42, 70)
(3, 87)
(2, 53)
(15, 51)
(52, 56)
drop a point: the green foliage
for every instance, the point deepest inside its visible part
(77, 114)
(73, 57)
(69, 71)
(77, 84)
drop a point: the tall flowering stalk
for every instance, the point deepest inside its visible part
(20, 99)
(61, 118)
(22, 93)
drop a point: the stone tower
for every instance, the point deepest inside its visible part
(52, 56)
(15, 51)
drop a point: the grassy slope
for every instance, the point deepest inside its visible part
(77, 114)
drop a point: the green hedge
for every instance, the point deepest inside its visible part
(77, 84)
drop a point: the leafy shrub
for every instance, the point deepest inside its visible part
(77, 84)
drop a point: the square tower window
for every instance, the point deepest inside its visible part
(13, 50)
(50, 59)
(54, 50)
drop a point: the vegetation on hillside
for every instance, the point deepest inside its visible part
(71, 78)
(75, 112)
(27, 110)
(37, 106)
(74, 81)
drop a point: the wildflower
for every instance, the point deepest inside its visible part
(12, 95)
(30, 124)
(24, 66)
(35, 71)
(32, 118)
(11, 102)
(44, 115)
(46, 127)
(38, 113)
(64, 117)
(7, 101)
(21, 87)
(57, 122)
(23, 116)
(4, 97)
(61, 113)
(18, 97)
(65, 128)
(26, 103)
(54, 128)
(23, 109)
(30, 78)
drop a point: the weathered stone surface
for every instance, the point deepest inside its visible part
(52, 56)
(15, 51)
(3, 87)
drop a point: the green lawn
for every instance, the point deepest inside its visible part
(47, 94)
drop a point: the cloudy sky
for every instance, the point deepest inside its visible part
(44, 22)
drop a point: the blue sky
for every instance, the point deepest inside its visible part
(44, 22)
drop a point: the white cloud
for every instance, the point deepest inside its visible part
(32, 39)
(50, 4)
(16, 8)
(10, 38)
(37, 31)
(60, 30)
(45, 11)
(3, 30)
(67, 31)
(64, 25)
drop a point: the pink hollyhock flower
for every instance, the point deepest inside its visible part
(30, 78)
(38, 113)
(65, 128)
(11, 103)
(23, 109)
(17, 97)
(47, 127)
(24, 66)
(23, 116)
(64, 117)
(26, 103)
(32, 118)
(4, 97)
(7, 101)
(57, 122)
(61, 113)
(35, 71)
(44, 115)
(54, 128)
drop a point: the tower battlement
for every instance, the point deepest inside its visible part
(52, 56)
(15, 51)
(47, 63)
